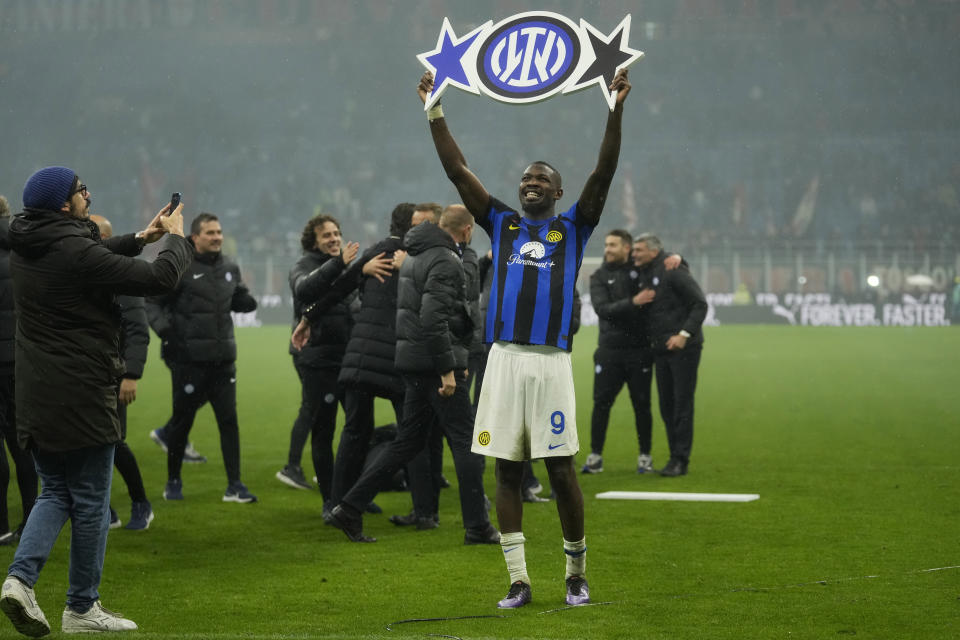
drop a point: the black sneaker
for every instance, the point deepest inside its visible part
(115, 521)
(173, 490)
(673, 469)
(350, 524)
(141, 515)
(404, 521)
(485, 535)
(238, 492)
(292, 476)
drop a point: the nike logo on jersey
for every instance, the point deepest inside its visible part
(513, 227)
(556, 446)
(198, 275)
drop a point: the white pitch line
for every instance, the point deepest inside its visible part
(673, 495)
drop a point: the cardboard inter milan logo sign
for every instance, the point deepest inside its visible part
(529, 57)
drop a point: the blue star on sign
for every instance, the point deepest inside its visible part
(447, 62)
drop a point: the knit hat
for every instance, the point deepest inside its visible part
(48, 188)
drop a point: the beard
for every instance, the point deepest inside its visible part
(81, 211)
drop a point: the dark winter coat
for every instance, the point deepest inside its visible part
(8, 318)
(194, 321)
(612, 288)
(68, 361)
(434, 329)
(311, 282)
(134, 335)
(471, 274)
(368, 361)
(679, 304)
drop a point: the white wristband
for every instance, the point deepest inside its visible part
(684, 333)
(435, 112)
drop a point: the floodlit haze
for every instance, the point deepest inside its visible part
(267, 112)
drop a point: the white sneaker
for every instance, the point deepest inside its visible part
(644, 463)
(594, 464)
(95, 619)
(18, 601)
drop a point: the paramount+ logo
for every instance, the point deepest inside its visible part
(528, 57)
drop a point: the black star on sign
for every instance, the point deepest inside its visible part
(609, 57)
(610, 53)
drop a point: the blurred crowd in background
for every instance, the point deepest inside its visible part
(830, 125)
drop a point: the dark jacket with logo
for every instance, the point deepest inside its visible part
(434, 329)
(311, 282)
(679, 304)
(194, 321)
(612, 288)
(68, 360)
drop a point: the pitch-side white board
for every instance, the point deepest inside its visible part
(671, 495)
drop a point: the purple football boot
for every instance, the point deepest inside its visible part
(577, 591)
(518, 596)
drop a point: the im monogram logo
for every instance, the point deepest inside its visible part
(529, 57)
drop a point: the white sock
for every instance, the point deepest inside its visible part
(576, 557)
(513, 554)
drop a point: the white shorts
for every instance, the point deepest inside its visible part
(527, 408)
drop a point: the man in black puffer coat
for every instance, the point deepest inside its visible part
(367, 370)
(434, 331)
(196, 328)
(318, 362)
(68, 367)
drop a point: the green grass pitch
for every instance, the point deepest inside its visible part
(850, 436)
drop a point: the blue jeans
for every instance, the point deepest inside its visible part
(76, 485)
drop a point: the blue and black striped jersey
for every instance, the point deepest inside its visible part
(535, 267)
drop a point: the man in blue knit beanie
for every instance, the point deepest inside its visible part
(67, 367)
(49, 188)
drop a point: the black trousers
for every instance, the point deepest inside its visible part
(355, 439)
(193, 385)
(22, 460)
(676, 385)
(126, 462)
(422, 408)
(612, 369)
(319, 396)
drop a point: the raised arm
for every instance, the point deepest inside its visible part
(472, 193)
(594, 194)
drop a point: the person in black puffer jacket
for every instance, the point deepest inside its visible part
(196, 328)
(434, 331)
(318, 362)
(26, 473)
(367, 370)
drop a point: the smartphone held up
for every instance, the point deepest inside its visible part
(174, 202)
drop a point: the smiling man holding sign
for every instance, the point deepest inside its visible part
(527, 407)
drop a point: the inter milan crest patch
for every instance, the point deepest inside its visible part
(529, 57)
